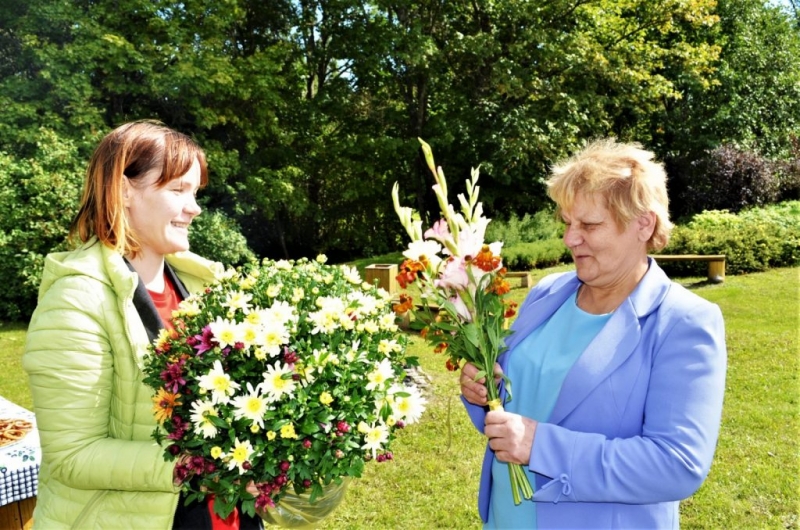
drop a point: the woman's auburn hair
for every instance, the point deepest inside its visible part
(130, 151)
(625, 175)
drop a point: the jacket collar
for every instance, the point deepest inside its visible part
(144, 305)
(609, 349)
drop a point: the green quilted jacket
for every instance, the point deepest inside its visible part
(84, 351)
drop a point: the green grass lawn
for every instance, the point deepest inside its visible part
(754, 482)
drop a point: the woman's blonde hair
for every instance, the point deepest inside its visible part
(129, 152)
(626, 175)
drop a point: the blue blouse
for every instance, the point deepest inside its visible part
(537, 367)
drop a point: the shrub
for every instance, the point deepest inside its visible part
(540, 226)
(727, 178)
(754, 240)
(39, 197)
(538, 254)
(789, 174)
(216, 236)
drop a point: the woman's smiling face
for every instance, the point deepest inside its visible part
(604, 252)
(160, 216)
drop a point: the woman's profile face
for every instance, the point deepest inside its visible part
(160, 216)
(604, 253)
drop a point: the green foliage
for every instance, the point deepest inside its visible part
(754, 240)
(539, 254)
(39, 196)
(540, 226)
(216, 236)
(310, 111)
(752, 98)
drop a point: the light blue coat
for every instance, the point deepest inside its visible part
(636, 422)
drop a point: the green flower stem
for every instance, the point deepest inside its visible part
(520, 485)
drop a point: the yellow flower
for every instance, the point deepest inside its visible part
(163, 337)
(216, 451)
(271, 435)
(254, 428)
(287, 431)
(326, 398)
(363, 428)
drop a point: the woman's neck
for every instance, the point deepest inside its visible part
(599, 300)
(150, 269)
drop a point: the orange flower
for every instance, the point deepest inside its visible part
(499, 286)
(451, 365)
(409, 270)
(442, 346)
(163, 404)
(487, 261)
(511, 309)
(406, 304)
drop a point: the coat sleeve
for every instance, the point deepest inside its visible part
(672, 456)
(70, 366)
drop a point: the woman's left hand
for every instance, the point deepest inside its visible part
(510, 436)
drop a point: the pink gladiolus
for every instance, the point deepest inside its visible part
(453, 275)
(470, 242)
(461, 308)
(439, 231)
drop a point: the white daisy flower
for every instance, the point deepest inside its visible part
(351, 274)
(277, 382)
(241, 453)
(252, 406)
(226, 332)
(383, 372)
(201, 410)
(219, 384)
(407, 403)
(237, 300)
(375, 436)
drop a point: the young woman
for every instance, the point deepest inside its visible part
(100, 306)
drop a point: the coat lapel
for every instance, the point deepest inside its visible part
(618, 339)
(610, 348)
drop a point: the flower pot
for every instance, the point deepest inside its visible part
(297, 511)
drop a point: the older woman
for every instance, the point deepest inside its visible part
(618, 372)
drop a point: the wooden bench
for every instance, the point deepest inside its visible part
(716, 263)
(524, 276)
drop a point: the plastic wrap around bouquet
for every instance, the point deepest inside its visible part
(284, 377)
(462, 287)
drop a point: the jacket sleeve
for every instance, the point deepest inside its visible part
(672, 456)
(69, 362)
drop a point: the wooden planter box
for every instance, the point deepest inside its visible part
(382, 275)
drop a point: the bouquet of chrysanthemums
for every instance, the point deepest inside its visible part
(462, 288)
(287, 376)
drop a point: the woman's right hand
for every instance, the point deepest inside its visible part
(475, 391)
